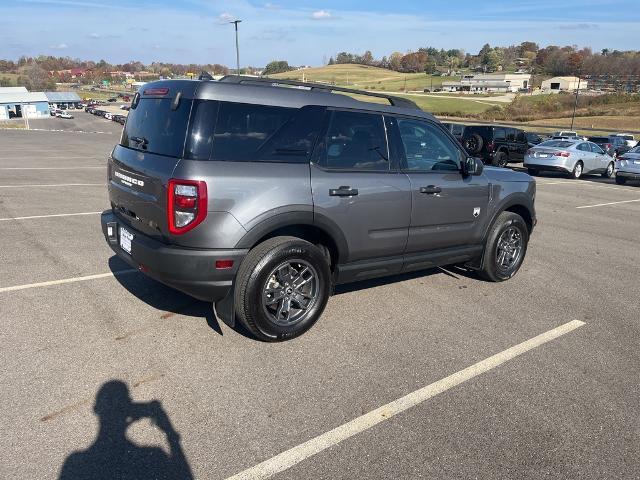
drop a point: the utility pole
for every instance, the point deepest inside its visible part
(575, 105)
(235, 23)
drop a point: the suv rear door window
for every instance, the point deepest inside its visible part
(521, 137)
(499, 134)
(511, 135)
(426, 148)
(244, 132)
(243, 129)
(155, 128)
(355, 141)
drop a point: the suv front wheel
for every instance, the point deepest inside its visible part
(505, 248)
(500, 159)
(282, 288)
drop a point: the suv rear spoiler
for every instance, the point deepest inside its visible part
(394, 101)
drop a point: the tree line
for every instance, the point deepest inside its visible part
(551, 60)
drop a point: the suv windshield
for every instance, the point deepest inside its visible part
(155, 128)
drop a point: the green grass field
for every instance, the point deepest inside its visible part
(366, 78)
(11, 76)
(379, 79)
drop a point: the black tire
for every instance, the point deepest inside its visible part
(532, 171)
(576, 173)
(620, 180)
(474, 143)
(492, 269)
(257, 271)
(500, 159)
(610, 171)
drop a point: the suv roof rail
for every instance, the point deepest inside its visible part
(393, 100)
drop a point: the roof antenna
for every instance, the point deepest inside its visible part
(205, 76)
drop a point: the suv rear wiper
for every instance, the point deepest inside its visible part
(141, 141)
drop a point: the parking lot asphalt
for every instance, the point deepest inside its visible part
(76, 322)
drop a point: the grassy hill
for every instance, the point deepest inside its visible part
(366, 77)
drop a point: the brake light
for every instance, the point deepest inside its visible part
(156, 91)
(490, 147)
(186, 205)
(561, 154)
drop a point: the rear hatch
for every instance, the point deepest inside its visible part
(152, 144)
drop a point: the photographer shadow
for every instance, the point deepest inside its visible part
(112, 455)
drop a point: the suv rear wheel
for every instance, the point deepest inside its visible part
(620, 180)
(282, 288)
(505, 248)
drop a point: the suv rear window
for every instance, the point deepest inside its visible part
(153, 127)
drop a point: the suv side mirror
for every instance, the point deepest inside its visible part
(472, 166)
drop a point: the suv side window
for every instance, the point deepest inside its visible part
(292, 140)
(243, 129)
(511, 135)
(499, 134)
(426, 147)
(355, 141)
(521, 137)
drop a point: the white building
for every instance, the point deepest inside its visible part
(17, 102)
(563, 84)
(490, 82)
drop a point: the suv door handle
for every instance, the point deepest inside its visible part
(343, 192)
(430, 190)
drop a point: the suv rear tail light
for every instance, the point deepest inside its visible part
(561, 154)
(186, 205)
(490, 147)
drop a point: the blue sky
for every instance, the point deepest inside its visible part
(302, 31)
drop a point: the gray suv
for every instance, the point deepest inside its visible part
(262, 196)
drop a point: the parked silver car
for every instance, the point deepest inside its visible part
(628, 166)
(573, 157)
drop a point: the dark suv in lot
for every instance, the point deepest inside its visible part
(495, 145)
(261, 197)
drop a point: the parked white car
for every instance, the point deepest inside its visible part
(628, 166)
(573, 157)
(65, 115)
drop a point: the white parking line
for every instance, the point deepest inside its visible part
(51, 168)
(49, 216)
(65, 280)
(610, 203)
(55, 185)
(316, 445)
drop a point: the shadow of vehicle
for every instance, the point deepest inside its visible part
(161, 297)
(113, 456)
(450, 270)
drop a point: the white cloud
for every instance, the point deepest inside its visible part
(94, 35)
(226, 17)
(321, 15)
(59, 46)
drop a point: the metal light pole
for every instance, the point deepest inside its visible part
(236, 22)
(575, 105)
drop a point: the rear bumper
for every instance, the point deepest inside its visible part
(548, 168)
(192, 271)
(628, 175)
